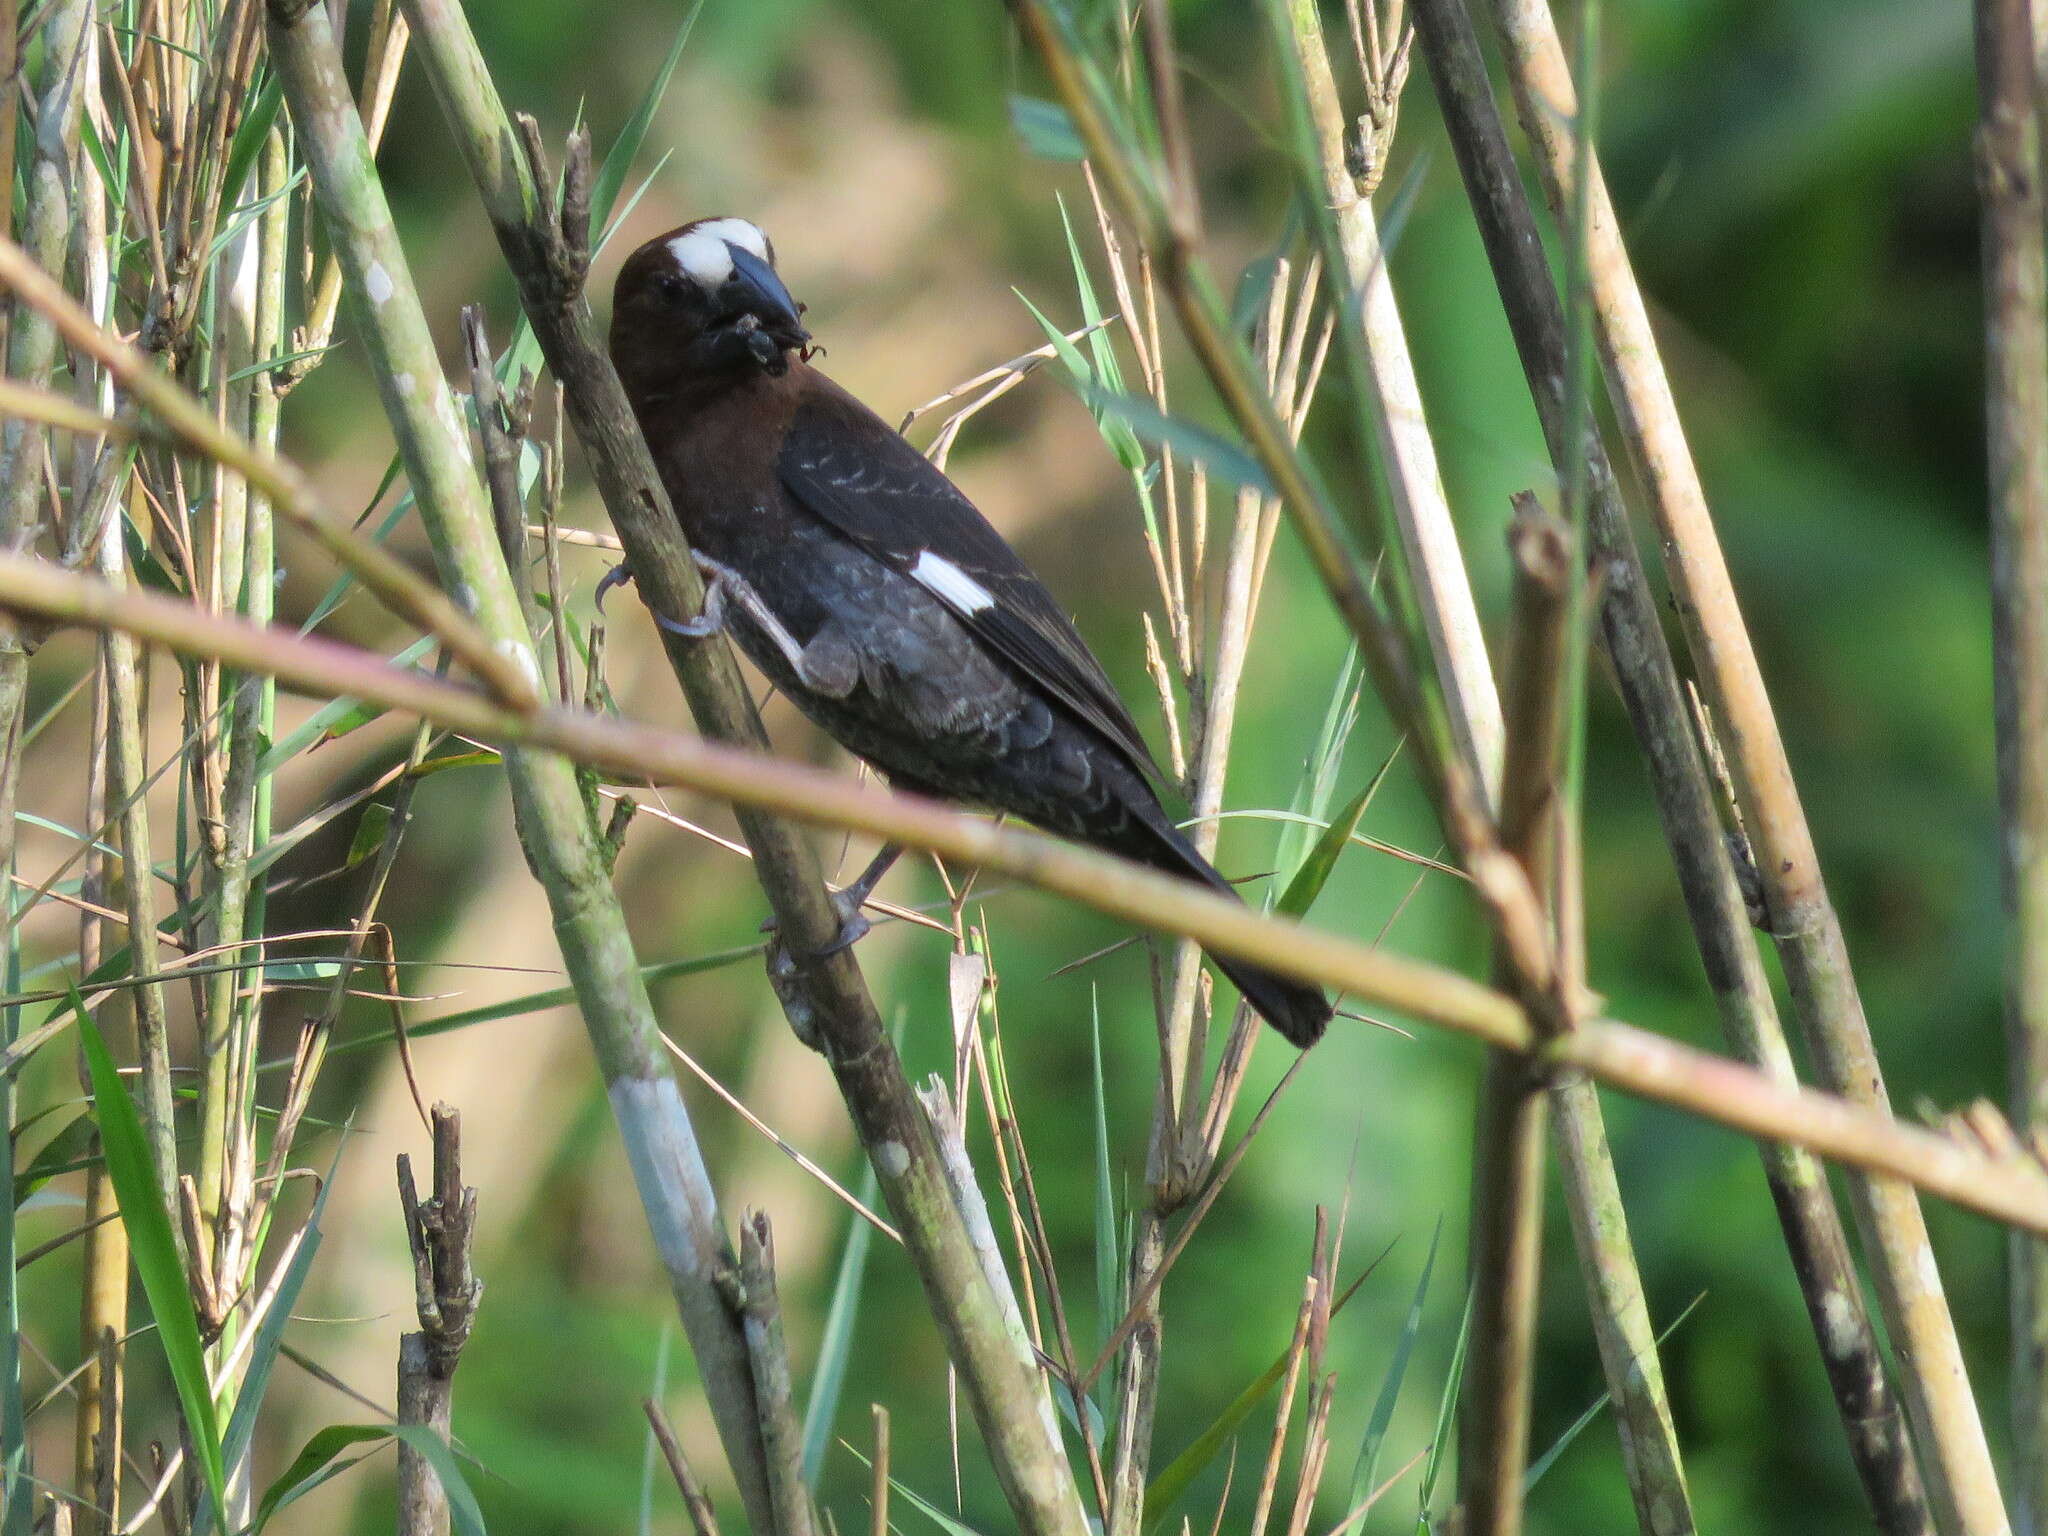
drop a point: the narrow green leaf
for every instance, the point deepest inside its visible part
(314, 1464)
(1316, 869)
(536, 1002)
(1320, 862)
(372, 828)
(1579, 1425)
(1045, 129)
(270, 1335)
(1108, 1257)
(61, 1152)
(464, 1514)
(249, 137)
(925, 1507)
(1440, 1442)
(835, 1348)
(134, 1176)
(1179, 1474)
(1365, 1471)
(1224, 458)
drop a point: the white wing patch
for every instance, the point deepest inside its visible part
(949, 584)
(702, 258)
(742, 233)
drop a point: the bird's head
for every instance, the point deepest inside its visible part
(700, 302)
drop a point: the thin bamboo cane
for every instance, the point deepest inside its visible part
(1803, 921)
(1508, 1135)
(2003, 1184)
(1505, 1249)
(554, 825)
(1429, 537)
(827, 1000)
(1658, 709)
(2015, 258)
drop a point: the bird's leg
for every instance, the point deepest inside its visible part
(827, 665)
(848, 900)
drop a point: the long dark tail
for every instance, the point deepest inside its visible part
(1299, 1011)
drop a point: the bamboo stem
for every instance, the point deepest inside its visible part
(2006, 1186)
(2015, 258)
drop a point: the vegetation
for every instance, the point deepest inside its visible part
(1645, 737)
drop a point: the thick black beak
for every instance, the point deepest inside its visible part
(754, 289)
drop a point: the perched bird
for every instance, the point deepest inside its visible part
(867, 587)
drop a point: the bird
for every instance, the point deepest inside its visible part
(868, 589)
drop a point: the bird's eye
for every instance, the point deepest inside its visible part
(671, 287)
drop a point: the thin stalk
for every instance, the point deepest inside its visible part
(103, 1302)
(554, 824)
(1802, 919)
(770, 1356)
(1508, 1135)
(827, 1001)
(1505, 1250)
(127, 778)
(1422, 513)
(2002, 1184)
(1632, 631)
(2015, 257)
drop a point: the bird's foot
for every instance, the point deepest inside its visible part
(853, 925)
(711, 618)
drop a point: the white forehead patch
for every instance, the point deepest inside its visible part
(702, 258)
(740, 232)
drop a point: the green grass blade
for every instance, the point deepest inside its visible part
(925, 1507)
(1045, 129)
(134, 1177)
(316, 1462)
(650, 1450)
(1366, 1470)
(249, 136)
(835, 1348)
(1319, 770)
(270, 1336)
(1320, 863)
(16, 1509)
(1440, 1442)
(1108, 1255)
(534, 1002)
(1178, 1475)
(1579, 1425)
(464, 1513)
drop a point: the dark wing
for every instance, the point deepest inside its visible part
(844, 464)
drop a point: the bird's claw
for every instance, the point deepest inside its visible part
(853, 925)
(618, 576)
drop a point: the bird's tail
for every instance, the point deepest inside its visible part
(1299, 1011)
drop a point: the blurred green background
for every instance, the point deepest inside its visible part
(1795, 181)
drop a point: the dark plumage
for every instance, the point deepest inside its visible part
(867, 588)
